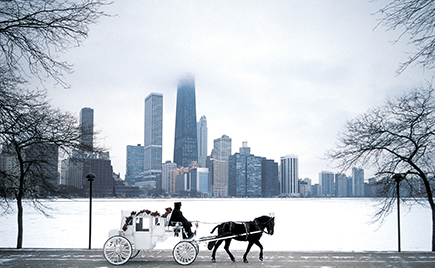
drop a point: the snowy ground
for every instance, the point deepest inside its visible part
(301, 224)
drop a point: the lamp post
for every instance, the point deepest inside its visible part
(398, 178)
(90, 177)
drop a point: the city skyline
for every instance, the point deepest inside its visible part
(283, 75)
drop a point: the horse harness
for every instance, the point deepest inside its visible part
(246, 230)
(247, 225)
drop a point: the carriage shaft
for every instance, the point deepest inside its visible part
(206, 239)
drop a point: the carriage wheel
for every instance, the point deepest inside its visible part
(134, 253)
(184, 253)
(117, 250)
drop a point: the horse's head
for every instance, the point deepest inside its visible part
(267, 223)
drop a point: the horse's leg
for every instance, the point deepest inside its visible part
(261, 249)
(213, 255)
(245, 260)
(227, 249)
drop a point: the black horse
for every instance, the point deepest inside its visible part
(246, 231)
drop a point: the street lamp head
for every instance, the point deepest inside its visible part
(90, 176)
(398, 177)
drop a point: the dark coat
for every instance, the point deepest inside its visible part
(177, 216)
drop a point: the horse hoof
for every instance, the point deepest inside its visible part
(213, 260)
(261, 259)
(233, 260)
(245, 261)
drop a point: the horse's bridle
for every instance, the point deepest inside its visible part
(266, 224)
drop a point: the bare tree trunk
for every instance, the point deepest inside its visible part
(431, 204)
(19, 196)
(432, 207)
(20, 223)
(433, 230)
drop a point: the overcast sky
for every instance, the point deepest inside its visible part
(282, 75)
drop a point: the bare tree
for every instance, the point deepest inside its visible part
(32, 134)
(35, 31)
(398, 137)
(415, 19)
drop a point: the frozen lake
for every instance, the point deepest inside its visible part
(300, 224)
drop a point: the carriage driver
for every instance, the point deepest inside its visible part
(177, 216)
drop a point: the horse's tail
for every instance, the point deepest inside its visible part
(214, 228)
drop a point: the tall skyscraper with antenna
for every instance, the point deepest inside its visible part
(186, 142)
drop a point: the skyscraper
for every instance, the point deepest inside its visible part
(72, 173)
(102, 168)
(153, 137)
(253, 176)
(199, 181)
(358, 182)
(341, 185)
(237, 175)
(222, 148)
(326, 183)
(72, 170)
(166, 176)
(290, 175)
(244, 174)
(86, 128)
(219, 176)
(135, 163)
(186, 144)
(202, 140)
(179, 179)
(269, 178)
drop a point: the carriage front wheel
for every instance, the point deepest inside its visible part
(117, 250)
(184, 253)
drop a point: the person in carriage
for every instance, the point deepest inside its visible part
(177, 216)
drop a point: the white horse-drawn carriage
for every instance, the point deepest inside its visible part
(140, 231)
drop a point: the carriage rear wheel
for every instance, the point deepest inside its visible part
(134, 253)
(184, 253)
(117, 250)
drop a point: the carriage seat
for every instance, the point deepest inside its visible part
(174, 223)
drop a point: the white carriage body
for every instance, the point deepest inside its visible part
(145, 230)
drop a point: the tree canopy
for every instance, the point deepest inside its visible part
(32, 133)
(415, 19)
(397, 137)
(33, 32)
